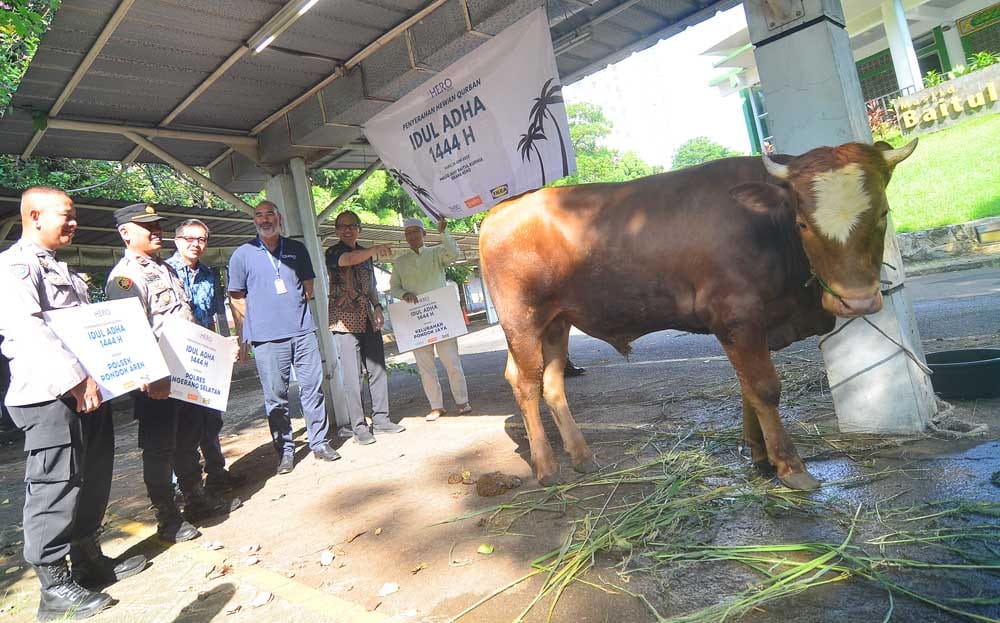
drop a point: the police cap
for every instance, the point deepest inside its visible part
(137, 213)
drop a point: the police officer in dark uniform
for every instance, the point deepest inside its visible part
(69, 436)
(167, 435)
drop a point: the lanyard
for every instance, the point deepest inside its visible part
(274, 263)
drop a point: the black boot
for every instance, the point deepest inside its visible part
(199, 504)
(92, 568)
(62, 598)
(170, 525)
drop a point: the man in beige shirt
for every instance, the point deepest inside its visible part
(417, 271)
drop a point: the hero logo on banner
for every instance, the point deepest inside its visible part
(489, 127)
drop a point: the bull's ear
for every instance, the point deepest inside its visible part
(761, 197)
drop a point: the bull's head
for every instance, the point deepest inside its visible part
(838, 198)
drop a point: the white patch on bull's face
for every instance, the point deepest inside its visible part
(840, 201)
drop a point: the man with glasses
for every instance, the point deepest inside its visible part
(201, 285)
(356, 323)
(168, 435)
(270, 286)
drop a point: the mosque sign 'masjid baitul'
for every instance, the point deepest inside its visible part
(950, 102)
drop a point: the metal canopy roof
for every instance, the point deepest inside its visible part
(189, 70)
(97, 243)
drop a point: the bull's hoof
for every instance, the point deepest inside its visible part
(765, 468)
(587, 467)
(802, 481)
(550, 480)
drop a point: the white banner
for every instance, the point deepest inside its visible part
(491, 126)
(437, 316)
(200, 362)
(113, 342)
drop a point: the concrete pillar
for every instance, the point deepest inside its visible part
(953, 43)
(813, 98)
(292, 192)
(808, 78)
(904, 57)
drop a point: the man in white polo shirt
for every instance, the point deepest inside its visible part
(417, 271)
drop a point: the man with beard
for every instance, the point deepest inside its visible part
(168, 434)
(69, 434)
(270, 286)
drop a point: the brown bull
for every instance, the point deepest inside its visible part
(758, 252)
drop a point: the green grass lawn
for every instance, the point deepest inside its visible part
(952, 177)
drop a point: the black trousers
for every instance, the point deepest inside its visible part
(169, 437)
(211, 448)
(68, 475)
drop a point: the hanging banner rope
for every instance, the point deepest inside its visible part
(489, 127)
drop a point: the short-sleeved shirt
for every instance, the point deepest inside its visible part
(155, 284)
(271, 316)
(201, 286)
(34, 281)
(353, 292)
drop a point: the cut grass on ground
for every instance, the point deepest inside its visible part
(952, 177)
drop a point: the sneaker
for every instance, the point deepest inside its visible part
(388, 428)
(325, 453)
(364, 438)
(464, 409)
(286, 464)
(434, 414)
(345, 432)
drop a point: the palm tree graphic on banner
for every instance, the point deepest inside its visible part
(539, 113)
(416, 189)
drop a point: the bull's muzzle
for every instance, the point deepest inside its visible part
(852, 306)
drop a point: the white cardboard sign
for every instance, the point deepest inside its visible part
(436, 317)
(200, 363)
(113, 342)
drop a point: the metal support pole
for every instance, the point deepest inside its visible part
(349, 192)
(200, 179)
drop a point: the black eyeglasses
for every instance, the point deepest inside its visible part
(348, 226)
(193, 239)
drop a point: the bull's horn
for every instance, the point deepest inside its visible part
(779, 171)
(895, 156)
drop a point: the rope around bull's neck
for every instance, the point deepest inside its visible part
(889, 290)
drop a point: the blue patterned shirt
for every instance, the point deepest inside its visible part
(201, 285)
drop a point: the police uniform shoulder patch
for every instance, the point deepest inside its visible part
(124, 283)
(20, 271)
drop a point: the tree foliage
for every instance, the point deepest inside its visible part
(698, 150)
(22, 24)
(596, 162)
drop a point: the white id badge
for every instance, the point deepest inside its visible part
(279, 286)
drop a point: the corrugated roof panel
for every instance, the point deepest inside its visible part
(340, 30)
(672, 10)
(205, 22)
(191, 152)
(254, 88)
(492, 16)
(67, 144)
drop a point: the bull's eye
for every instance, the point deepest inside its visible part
(885, 214)
(802, 226)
